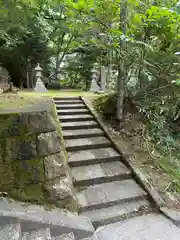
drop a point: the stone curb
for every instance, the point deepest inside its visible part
(173, 215)
(42, 106)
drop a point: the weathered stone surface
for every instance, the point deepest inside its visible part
(173, 214)
(78, 125)
(69, 236)
(90, 156)
(48, 143)
(59, 102)
(115, 213)
(66, 98)
(39, 234)
(146, 227)
(75, 118)
(54, 166)
(63, 221)
(11, 125)
(72, 111)
(3, 151)
(87, 143)
(21, 148)
(102, 195)
(70, 106)
(10, 231)
(6, 177)
(60, 188)
(51, 123)
(35, 122)
(97, 173)
(28, 172)
(28, 193)
(80, 133)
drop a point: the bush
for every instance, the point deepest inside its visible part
(54, 86)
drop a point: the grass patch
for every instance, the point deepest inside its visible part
(57, 93)
(11, 101)
(24, 98)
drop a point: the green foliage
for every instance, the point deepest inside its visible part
(22, 41)
(106, 104)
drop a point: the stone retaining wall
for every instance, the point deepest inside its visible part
(33, 160)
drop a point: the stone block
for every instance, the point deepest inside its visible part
(48, 143)
(6, 178)
(43, 233)
(69, 236)
(59, 189)
(35, 122)
(54, 166)
(28, 172)
(10, 231)
(22, 148)
(38, 122)
(12, 125)
(32, 193)
(51, 123)
(2, 151)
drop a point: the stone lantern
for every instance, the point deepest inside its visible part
(40, 87)
(38, 71)
(94, 85)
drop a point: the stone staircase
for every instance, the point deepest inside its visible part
(105, 187)
(13, 231)
(24, 221)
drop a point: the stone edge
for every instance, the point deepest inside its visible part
(140, 177)
(42, 106)
(61, 220)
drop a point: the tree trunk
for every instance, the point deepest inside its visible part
(120, 96)
(108, 70)
(121, 65)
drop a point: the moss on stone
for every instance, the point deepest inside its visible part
(22, 147)
(28, 172)
(6, 178)
(22, 170)
(30, 193)
(11, 124)
(59, 130)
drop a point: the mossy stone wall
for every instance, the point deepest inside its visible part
(33, 159)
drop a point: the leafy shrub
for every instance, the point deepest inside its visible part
(54, 86)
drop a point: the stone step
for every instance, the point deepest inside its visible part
(99, 173)
(86, 143)
(79, 125)
(92, 156)
(66, 98)
(10, 231)
(61, 102)
(146, 227)
(109, 194)
(76, 118)
(69, 236)
(43, 234)
(117, 213)
(71, 106)
(81, 133)
(72, 111)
